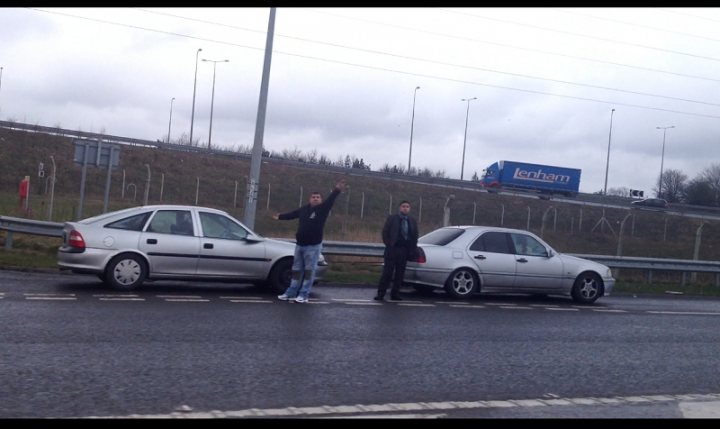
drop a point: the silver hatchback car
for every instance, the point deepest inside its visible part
(464, 260)
(126, 247)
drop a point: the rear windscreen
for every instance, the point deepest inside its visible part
(441, 236)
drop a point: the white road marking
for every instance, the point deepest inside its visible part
(122, 299)
(179, 296)
(691, 406)
(51, 298)
(241, 297)
(690, 313)
(560, 309)
(252, 301)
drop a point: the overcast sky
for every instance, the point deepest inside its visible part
(342, 82)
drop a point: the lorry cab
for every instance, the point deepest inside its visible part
(491, 177)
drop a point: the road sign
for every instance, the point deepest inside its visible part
(87, 151)
(635, 193)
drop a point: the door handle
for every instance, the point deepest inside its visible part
(152, 241)
(523, 260)
(479, 257)
(208, 246)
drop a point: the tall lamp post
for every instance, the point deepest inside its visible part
(212, 99)
(467, 114)
(192, 115)
(170, 121)
(412, 125)
(662, 159)
(607, 162)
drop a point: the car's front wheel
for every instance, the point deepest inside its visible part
(587, 289)
(462, 283)
(126, 272)
(280, 276)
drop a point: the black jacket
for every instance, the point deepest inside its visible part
(391, 232)
(312, 220)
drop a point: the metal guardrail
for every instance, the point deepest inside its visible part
(28, 226)
(349, 248)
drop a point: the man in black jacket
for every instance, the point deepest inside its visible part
(400, 235)
(309, 236)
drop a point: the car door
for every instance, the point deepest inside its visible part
(225, 250)
(535, 268)
(170, 243)
(492, 254)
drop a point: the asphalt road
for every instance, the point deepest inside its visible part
(70, 347)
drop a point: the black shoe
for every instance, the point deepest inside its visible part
(379, 298)
(395, 298)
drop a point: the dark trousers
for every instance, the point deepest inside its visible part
(394, 263)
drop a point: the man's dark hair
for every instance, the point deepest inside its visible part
(315, 193)
(404, 202)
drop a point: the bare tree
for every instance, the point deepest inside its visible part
(711, 175)
(673, 185)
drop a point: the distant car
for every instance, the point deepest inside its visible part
(126, 247)
(650, 203)
(465, 260)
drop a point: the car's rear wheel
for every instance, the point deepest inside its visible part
(462, 283)
(126, 271)
(587, 289)
(280, 276)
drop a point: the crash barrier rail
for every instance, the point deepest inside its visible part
(28, 226)
(375, 250)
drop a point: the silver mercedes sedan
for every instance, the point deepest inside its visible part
(464, 260)
(126, 247)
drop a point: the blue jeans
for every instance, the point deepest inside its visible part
(303, 270)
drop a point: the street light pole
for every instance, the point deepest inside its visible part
(607, 163)
(662, 159)
(467, 114)
(192, 115)
(412, 125)
(170, 121)
(212, 99)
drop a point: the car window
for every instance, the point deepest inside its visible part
(527, 245)
(178, 222)
(492, 241)
(441, 236)
(218, 226)
(132, 223)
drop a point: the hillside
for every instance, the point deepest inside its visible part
(358, 214)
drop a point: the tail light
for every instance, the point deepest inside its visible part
(76, 240)
(420, 256)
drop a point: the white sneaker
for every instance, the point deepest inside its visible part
(283, 297)
(301, 300)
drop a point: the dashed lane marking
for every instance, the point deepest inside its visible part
(241, 297)
(252, 301)
(180, 296)
(560, 309)
(50, 296)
